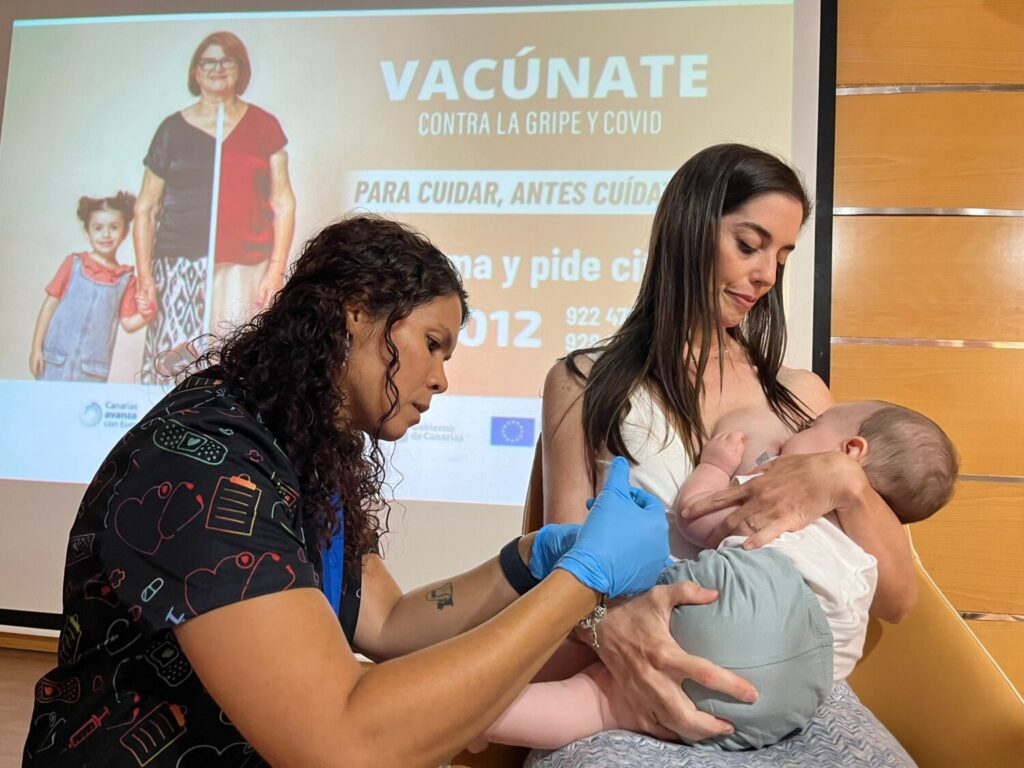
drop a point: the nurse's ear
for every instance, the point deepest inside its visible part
(855, 447)
(359, 322)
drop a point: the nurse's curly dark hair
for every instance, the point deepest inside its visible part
(287, 363)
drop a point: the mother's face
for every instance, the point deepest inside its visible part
(216, 73)
(753, 241)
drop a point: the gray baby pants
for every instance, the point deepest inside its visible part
(767, 627)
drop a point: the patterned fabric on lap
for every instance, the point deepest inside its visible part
(843, 734)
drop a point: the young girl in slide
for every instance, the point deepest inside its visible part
(75, 330)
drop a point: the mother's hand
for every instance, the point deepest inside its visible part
(649, 665)
(790, 494)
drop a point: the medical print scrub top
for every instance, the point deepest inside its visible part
(195, 508)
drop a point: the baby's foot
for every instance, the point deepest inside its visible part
(725, 451)
(477, 745)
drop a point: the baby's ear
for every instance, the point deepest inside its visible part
(855, 447)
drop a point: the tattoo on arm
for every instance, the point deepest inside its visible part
(443, 596)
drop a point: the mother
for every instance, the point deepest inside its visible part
(254, 209)
(706, 338)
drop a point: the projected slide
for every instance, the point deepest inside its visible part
(531, 145)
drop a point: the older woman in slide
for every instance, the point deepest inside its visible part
(706, 338)
(255, 208)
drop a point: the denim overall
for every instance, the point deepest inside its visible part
(80, 340)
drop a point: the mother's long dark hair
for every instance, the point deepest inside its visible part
(677, 306)
(287, 362)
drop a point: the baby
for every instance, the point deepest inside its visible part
(791, 617)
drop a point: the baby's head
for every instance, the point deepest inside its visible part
(907, 457)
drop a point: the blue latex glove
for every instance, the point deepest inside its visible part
(623, 545)
(550, 543)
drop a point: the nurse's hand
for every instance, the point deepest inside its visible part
(622, 546)
(549, 544)
(650, 667)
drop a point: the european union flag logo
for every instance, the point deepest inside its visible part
(506, 430)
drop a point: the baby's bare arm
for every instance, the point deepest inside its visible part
(718, 462)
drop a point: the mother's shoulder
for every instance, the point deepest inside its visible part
(561, 377)
(807, 386)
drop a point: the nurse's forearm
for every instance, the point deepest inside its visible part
(312, 705)
(470, 679)
(444, 609)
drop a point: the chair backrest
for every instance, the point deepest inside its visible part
(933, 684)
(928, 678)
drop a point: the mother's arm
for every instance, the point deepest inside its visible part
(867, 519)
(567, 483)
(635, 643)
(793, 491)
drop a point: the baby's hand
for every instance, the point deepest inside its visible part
(725, 451)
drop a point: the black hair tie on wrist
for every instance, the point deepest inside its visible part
(515, 570)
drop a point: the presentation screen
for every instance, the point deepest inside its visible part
(531, 144)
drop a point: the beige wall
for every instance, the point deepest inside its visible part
(928, 310)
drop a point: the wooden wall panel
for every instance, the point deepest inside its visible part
(975, 394)
(972, 547)
(930, 41)
(934, 150)
(940, 277)
(25, 642)
(1004, 640)
(904, 277)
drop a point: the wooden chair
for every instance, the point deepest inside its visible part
(928, 679)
